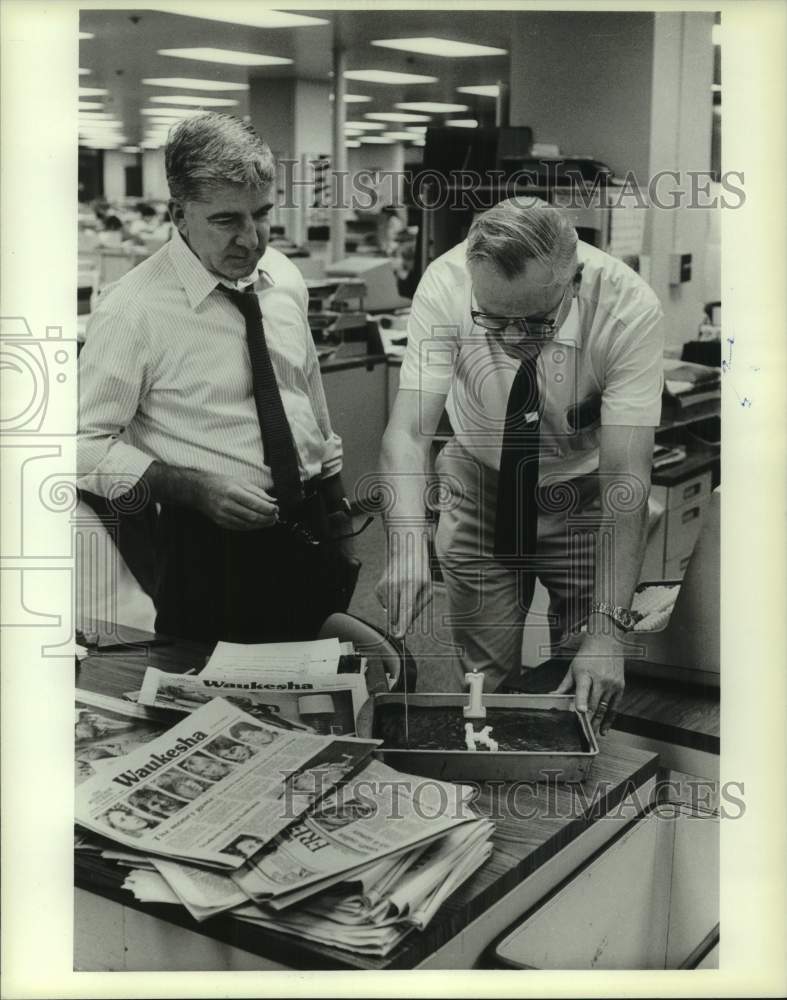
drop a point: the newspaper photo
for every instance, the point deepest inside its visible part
(330, 710)
(106, 728)
(216, 788)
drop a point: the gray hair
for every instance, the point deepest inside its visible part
(521, 229)
(212, 149)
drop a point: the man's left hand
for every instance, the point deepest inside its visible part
(597, 676)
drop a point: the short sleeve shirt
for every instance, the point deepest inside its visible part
(603, 367)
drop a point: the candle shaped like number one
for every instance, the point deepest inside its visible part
(474, 709)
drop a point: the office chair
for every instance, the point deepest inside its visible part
(383, 651)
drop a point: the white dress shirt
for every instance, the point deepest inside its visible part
(165, 375)
(607, 355)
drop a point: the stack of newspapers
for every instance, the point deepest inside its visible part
(282, 818)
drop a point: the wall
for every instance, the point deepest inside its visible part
(680, 139)
(115, 164)
(154, 177)
(583, 80)
(388, 159)
(632, 90)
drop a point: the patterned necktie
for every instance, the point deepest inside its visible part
(277, 441)
(516, 522)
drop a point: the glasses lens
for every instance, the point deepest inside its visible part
(489, 322)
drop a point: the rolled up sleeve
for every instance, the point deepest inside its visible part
(112, 381)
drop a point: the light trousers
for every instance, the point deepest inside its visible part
(488, 601)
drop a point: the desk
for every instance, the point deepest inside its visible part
(564, 826)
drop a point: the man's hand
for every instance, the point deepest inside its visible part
(596, 674)
(234, 504)
(405, 588)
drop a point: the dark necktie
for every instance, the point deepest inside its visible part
(516, 522)
(277, 441)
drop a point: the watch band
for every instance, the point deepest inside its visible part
(622, 617)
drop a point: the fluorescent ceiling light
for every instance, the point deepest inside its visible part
(84, 72)
(150, 144)
(434, 106)
(94, 116)
(378, 139)
(129, 149)
(396, 116)
(352, 144)
(236, 13)
(91, 92)
(213, 102)
(385, 76)
(364, 126)
(85, 34)
(90, 106)
(169, 112)
(188, 83)
(419, 142)
(403, 136)
(417, 128)
(483, 90)
(352, 131)
(231, 57)
(462, 122)
(439, 47)
(100, 123)
(353, 98)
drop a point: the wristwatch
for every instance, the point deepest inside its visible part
(622, 617)
(341, 507)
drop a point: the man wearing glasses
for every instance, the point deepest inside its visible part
(546, 354)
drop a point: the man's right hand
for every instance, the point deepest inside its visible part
(405, 588)
(234, 504)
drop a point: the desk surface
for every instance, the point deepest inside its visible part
(556, 815)
(684, 714)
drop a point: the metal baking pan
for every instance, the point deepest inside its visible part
(481, 765)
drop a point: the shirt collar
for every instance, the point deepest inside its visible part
(198, 282)
(571, 330)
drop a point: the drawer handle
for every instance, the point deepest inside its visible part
(690, 515)
(691, 491)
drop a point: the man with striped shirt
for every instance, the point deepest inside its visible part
(169, 410)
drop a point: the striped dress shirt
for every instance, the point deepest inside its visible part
(165, 375)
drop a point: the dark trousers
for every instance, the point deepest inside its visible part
(269, 585)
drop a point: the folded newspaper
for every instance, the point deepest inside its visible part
(300, 663)
(216, 787)
(367, 865)
(330, 708)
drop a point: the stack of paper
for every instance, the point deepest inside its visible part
(372, 862)
(287, 829)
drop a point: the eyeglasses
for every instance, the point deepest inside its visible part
(539, 328)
